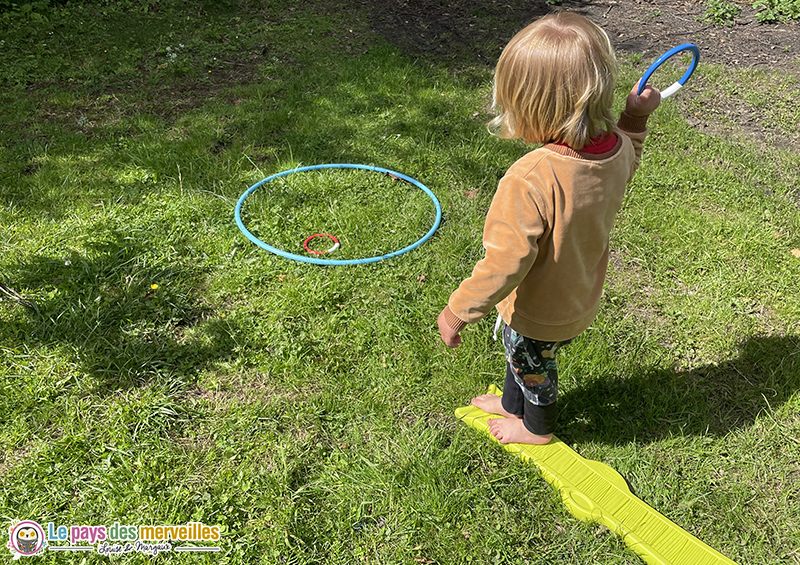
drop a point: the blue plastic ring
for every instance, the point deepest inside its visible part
(315, 260)
(658, 62)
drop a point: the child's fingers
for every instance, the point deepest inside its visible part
(453, 341)
(644, 103)
(650, 98)
(647, 88)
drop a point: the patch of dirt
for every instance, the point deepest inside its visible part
(10, 459)
(479, 29)
(631, 289)
(238, 390)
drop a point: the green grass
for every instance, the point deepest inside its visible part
(308, 410)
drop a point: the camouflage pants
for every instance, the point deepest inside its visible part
(531, 386)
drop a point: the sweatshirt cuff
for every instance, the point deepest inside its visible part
(633, 124)
(456, 324)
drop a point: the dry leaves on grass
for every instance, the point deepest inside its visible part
(796, 252)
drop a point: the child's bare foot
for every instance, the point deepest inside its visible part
(492, 404)
(512, 430)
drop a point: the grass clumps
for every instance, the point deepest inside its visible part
(722, 12)
(777, 10)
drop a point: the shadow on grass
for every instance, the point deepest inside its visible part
(377, 109)
(108, 315)
(466, 31)
(712, 399)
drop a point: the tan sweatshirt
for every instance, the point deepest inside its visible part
(546, 238)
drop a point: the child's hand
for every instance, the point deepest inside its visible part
(644, 104)
(449, 337)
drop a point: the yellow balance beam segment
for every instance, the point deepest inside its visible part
(594, 492)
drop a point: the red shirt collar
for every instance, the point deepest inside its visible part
(603, 143)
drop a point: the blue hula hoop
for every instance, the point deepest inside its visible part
(315, 260)
(669, 91)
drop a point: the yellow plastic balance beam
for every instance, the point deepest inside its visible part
(594, 492)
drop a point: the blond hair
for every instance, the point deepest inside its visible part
(554, 82)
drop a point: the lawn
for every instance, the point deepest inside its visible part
(171, 371)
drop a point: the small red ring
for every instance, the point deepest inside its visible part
(309, 238)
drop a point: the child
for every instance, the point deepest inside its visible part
(546, 233)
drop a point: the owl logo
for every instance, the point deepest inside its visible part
(26, 538)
